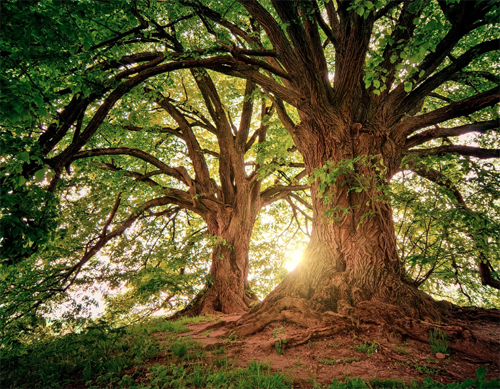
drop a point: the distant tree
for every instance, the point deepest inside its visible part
(227, 196)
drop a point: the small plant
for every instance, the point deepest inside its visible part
(233, 337)
(350, 360)
(219, 350)
(180, 349)
(327, 361)
(279, 333)
(335, 345)
(423, 368)
(368, 348)
(222, 362)
(439, 341)
(351, 383)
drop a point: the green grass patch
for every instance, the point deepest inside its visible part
(365, 347)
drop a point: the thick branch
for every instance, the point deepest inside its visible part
(470, 151)
(460, 108)
(179, 173)
(437, 132)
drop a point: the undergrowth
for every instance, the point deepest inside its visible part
(134, 357)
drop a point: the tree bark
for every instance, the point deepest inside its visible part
(351, 261)
(228, 289)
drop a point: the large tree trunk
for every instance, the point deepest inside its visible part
(351, 261)
(228, 290)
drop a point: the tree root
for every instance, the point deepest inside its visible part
(293, 310)
(462, 337)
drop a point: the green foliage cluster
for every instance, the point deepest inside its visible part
(442, 240)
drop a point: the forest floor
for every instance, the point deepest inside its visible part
(202, 352)
(367, 354)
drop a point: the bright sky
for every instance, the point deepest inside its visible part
(293, 259)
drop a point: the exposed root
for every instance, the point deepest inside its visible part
(316, 333)
(293, 310)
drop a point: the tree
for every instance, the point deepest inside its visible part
(228, 198)
(386, 61)
(368, 80)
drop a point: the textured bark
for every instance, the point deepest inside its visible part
(351, 261)
(228, 290)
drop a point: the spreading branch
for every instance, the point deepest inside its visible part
(437, 132)
(468, 151)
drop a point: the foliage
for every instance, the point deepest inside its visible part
(102, 356)
(442, 240)
(439, 341)
(279, 333)
(368, 348)
(94, 351)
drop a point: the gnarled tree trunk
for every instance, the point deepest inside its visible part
(228, 290)
(351, 260)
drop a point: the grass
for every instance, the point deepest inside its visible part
(105, 357)
(368, 348)
(439, 341)
(427, 383)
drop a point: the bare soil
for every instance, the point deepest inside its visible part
(322, 359)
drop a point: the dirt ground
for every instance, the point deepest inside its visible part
(368, 353)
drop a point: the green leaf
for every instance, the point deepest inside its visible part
(360, 11)
(40, 175)
(481, 373)
(24, 156)
(408, 87)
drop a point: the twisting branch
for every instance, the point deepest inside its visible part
(179, 173)
(438, 132)
(137, 176)
(111, 216)
(278, 192)
(460, 108)
(470, 151)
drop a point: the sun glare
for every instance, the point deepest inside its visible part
(293, 259)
